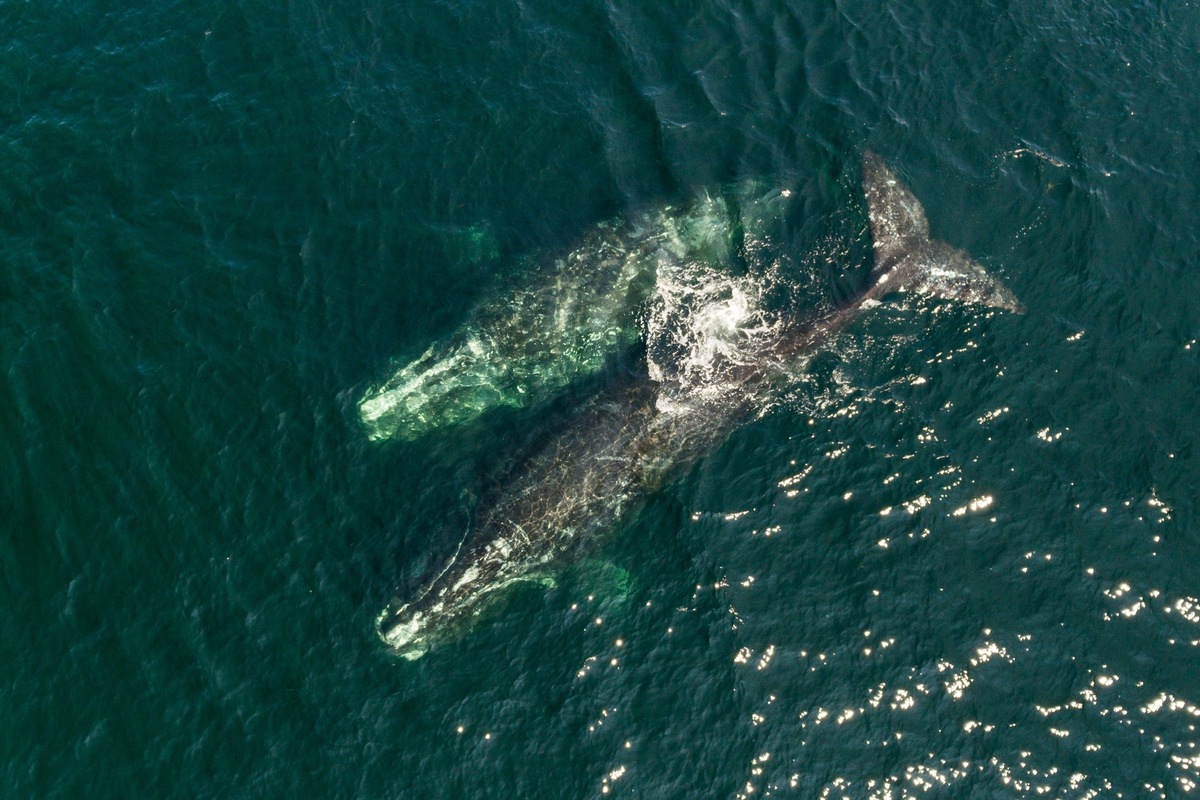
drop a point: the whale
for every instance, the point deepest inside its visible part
(714, 352)
(557, 320)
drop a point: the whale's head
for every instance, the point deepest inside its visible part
(441, 612)
(452, 603)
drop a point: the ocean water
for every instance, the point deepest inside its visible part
(959, 560)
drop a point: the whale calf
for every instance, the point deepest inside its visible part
(559, 321)
(713, 353)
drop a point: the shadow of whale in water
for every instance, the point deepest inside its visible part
(713, 353)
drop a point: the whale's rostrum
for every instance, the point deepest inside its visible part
(713, 354)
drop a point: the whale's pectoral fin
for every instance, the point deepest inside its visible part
(907, 260)
(605, 579)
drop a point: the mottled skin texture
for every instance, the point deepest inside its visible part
(560, 322)
(621, 444)
(906, 259)
(571, 489)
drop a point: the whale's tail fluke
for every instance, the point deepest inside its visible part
(907, 260)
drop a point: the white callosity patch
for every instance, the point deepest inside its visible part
(406, 637)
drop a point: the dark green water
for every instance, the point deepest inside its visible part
(220, 224)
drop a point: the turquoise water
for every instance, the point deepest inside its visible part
(222, 225)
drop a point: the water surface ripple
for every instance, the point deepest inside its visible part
(956, 561)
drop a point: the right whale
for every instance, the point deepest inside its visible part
(698, 380)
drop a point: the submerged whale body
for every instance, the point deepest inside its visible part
(713, 353)
(561, 321)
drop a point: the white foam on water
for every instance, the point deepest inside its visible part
(704, 328)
